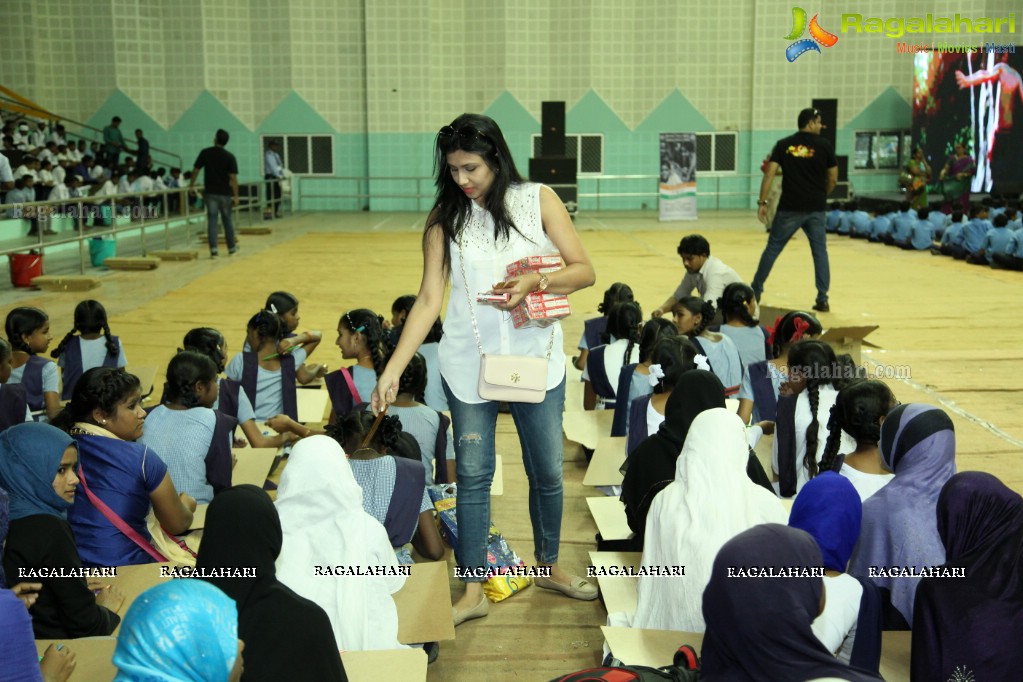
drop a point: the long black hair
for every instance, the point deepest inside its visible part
(209, 342)
(787, 330)
(371, 326)
(653, 331)
(623, 323)
(858, 410)
(185, 370)
(281, 303)
(413, 379)
(476, 134)
(267, 326)
(351, 429)
(90, 318)
(697, 306)
(22, 322)
(102, 388)
(619, 292)
(734, 304)
(816, 362)
(676, 355)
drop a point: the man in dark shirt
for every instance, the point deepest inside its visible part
(221, 194)
(809, 173)
(143, 151)
(113, 142)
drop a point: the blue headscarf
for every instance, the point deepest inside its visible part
(829, 508)
(30, 455)
(178, 631)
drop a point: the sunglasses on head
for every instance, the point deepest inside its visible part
(466, 135)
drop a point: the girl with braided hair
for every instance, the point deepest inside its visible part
(28, 331)
(268, 376)
(595, 327)
(361, 337)
(193, 439)
(285, 306)
(393, 487)
(738, 308)
(94, 346)
(604, 363)
(761, 381)
(634, 380)
(801, 427)
(13, 404)
(693, 316)
(859, 411)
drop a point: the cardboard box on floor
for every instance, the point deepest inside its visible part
(844, 337)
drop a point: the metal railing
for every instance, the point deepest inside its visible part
(303, 188)
(140, 205)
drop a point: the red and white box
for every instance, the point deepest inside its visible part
(538, 309)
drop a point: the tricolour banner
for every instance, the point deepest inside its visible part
(678, 176)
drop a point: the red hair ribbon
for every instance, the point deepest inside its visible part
(773, 330)
(801, 326)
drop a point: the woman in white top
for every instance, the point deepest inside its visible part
(859, 411)
(710, 501)
(324, 524)
(486, 217)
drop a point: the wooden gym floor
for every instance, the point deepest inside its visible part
(957, 328)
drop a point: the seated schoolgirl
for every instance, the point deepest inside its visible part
(28, 331)
(393, 487)
(285, 306)
(430, 350)
(829, 509)
(634, 380)
(918, 444)
(267, 376)
(231, 399)
(400, 309)
(971, 622)
(193, 439)
(761, 628)
(37, 469)
(18, 658)
(859, 411)
(431, 429)
(94, 346)
(278, 627)
(670, 358)
(709, 500)
(180, 630)
(324, 524)
(761, 381)
(120, 479)
(360, 336)
(738, 306)
(13, 403)
(595, 327)
(604, 363)
(692, 316)
(801, 427)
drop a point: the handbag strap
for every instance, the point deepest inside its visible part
(118, 522)
(472, 308)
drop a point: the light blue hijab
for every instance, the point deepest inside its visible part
(30, 455)
(179, 631)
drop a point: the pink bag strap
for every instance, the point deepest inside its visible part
(356, 398)
(118, 522)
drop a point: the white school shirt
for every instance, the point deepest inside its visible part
(826, 400)
(23, 170)
(865, 484)
(836, 627)
(59, 173)
(485, 264)
(60, 192)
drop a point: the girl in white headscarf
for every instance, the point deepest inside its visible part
(710, 501)
(326, 532)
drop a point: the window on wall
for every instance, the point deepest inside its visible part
(882, 149)
(587, 150)
(717, 152)
(304, 154)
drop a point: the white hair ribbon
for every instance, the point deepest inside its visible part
(702, 362)
(656, 374)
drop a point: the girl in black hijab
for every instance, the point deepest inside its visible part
(285, 635)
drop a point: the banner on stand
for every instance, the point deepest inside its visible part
(678, 176)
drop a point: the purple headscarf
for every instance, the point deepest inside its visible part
(829, 508)
(972, 623)
(759, 628)
(899, 528)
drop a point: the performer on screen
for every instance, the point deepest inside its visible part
(1003, 155)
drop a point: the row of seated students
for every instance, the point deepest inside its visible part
(990, 234)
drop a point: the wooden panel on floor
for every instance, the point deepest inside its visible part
(609, 515)
(399, 664)
(605, 466)
(255, 230)
(175, 255)
(66, 282)
(312, 406)
(424, 604)
(136, 263)
(253, 465)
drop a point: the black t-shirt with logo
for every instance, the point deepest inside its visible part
(804, 159)
(218, 164)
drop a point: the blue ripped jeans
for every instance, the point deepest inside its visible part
(539, 427)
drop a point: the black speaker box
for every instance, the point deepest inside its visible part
(552, 128)
(843, 168)
(829, 117)
(553, 171)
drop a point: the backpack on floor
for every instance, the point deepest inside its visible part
(686, 668)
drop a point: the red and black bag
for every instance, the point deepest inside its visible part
(686, 668)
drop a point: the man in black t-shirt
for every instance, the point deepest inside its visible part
(809, 173)
(221, 193)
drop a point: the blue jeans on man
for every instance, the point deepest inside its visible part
(539, 427)
(783, 227)
(220, 205)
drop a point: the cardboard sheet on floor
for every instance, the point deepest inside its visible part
(895, 655)
(424, 605)
(253, 465)
(146, 375)
(93, 656)
(616, 558)
(312, 406)
(609, 514)
(608, 457)
(587, 427)
(395, 664)
(620, 593)
(132, 581)
(199, 515)
(732, 405)
(763, 450)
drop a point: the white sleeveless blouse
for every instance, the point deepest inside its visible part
(485, 263)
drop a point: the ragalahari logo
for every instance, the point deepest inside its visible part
(818, 36)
